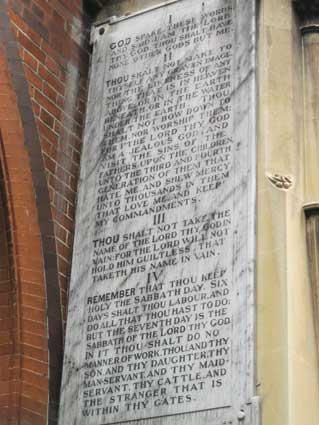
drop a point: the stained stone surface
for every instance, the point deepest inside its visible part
(161, 309)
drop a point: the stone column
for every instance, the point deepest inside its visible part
(308, 13)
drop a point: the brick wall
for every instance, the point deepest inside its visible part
(44, 58)
(53, 40)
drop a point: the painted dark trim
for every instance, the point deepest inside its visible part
(31, 140)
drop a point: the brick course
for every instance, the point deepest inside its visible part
(54, 49)
(43, 83)
(23, 335)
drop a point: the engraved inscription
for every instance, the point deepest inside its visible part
(163, 253)
(167, 152)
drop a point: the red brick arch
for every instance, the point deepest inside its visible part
(30, 309)
(44, 58)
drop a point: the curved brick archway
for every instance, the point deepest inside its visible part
(44, 58)
(29, 393)
(9, 349)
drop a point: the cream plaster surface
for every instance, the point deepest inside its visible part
(286, 349)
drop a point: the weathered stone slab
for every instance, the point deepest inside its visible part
(161, 301)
